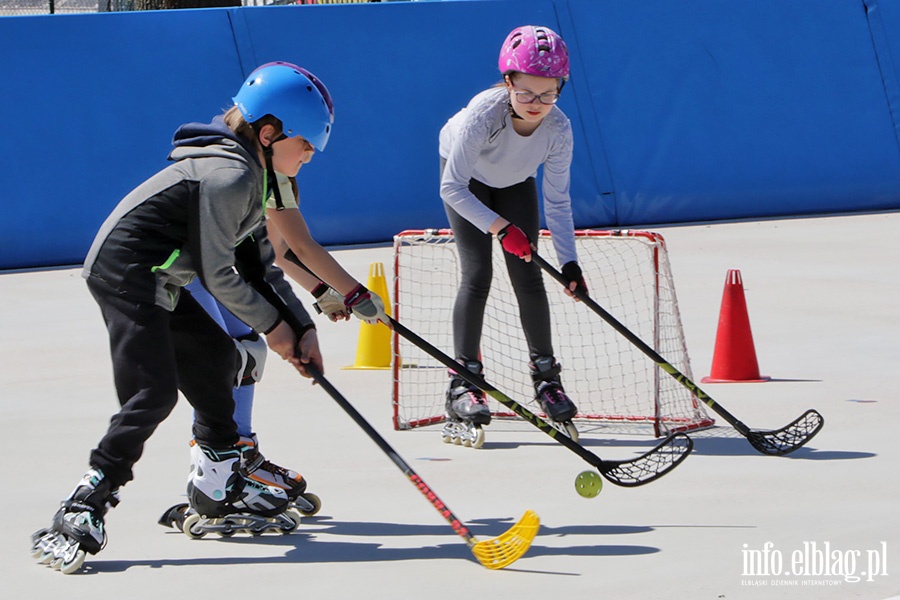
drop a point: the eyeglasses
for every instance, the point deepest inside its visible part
(530, 97)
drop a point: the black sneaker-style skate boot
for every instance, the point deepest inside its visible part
(266, 472)
(78, 527)
(465, 402)
(548, 389)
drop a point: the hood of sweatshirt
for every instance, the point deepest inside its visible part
(193, 140)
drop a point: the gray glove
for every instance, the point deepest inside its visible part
(330, 303)
(366, 306)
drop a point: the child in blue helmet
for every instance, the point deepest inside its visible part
(197, 218)
(290, 238)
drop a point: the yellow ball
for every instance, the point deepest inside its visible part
(588, 484)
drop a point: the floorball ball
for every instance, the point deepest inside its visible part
(588, 484)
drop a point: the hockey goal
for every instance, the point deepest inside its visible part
(611, 381)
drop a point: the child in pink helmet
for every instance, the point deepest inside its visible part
(490, 152)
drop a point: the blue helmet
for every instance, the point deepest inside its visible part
(291, 94)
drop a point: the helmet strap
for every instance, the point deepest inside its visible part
(272, 178)
(512, 112)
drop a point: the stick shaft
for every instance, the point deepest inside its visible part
(417, 481)
(643, 347)
(496, 394)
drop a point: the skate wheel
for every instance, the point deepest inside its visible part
(39, 540)
(189, 527)
(67, 568)
(571, 430)
(39, 552)
(467, 442)
(294, 516)
(312, 499)
(174, 516)
(45, 556)
(226, 533)
(478, 442)
(447, 439)
(457, 440)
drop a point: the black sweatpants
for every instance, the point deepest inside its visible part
(518, 204)
(155, 353)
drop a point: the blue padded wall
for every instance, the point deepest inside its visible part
(397, 72)
(719, 110)
(682, 111)
(884, 25)
(96, 99)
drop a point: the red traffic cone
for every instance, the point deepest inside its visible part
(734, 359)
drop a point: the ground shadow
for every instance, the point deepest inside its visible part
(707, 446)
(480, 528)
(312, 551)
(719, 441)
(641, 444)
(310, 545)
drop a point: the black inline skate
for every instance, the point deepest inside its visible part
(78, 528)
(467, 410)
(551, 396)
(268, 473)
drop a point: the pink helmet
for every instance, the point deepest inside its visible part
(534, 50)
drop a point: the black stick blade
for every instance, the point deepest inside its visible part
(778, 442)
(651, 465)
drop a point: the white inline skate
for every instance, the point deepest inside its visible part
(223, 499)
(467, 411)
(262, 472)
(549, 393)
(78, 528)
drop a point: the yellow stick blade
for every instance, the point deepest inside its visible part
(506, 549)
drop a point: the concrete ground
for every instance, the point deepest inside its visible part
(729, 523)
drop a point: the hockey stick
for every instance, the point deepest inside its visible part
(774, 442)
(494, 553)
(628, 473)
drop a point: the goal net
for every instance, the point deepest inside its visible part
(608, 378)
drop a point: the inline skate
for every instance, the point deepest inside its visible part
(268, 473)
(78, 527)
(467, 411)
(271, 498)
(549, 393)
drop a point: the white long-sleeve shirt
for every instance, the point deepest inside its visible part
(479, 142)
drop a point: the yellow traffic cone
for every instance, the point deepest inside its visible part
(373, 351)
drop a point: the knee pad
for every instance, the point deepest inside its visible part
(253, 351)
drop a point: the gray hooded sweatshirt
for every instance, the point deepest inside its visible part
(186, 221)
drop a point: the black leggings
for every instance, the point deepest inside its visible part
(518, 204)
(155, 353)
